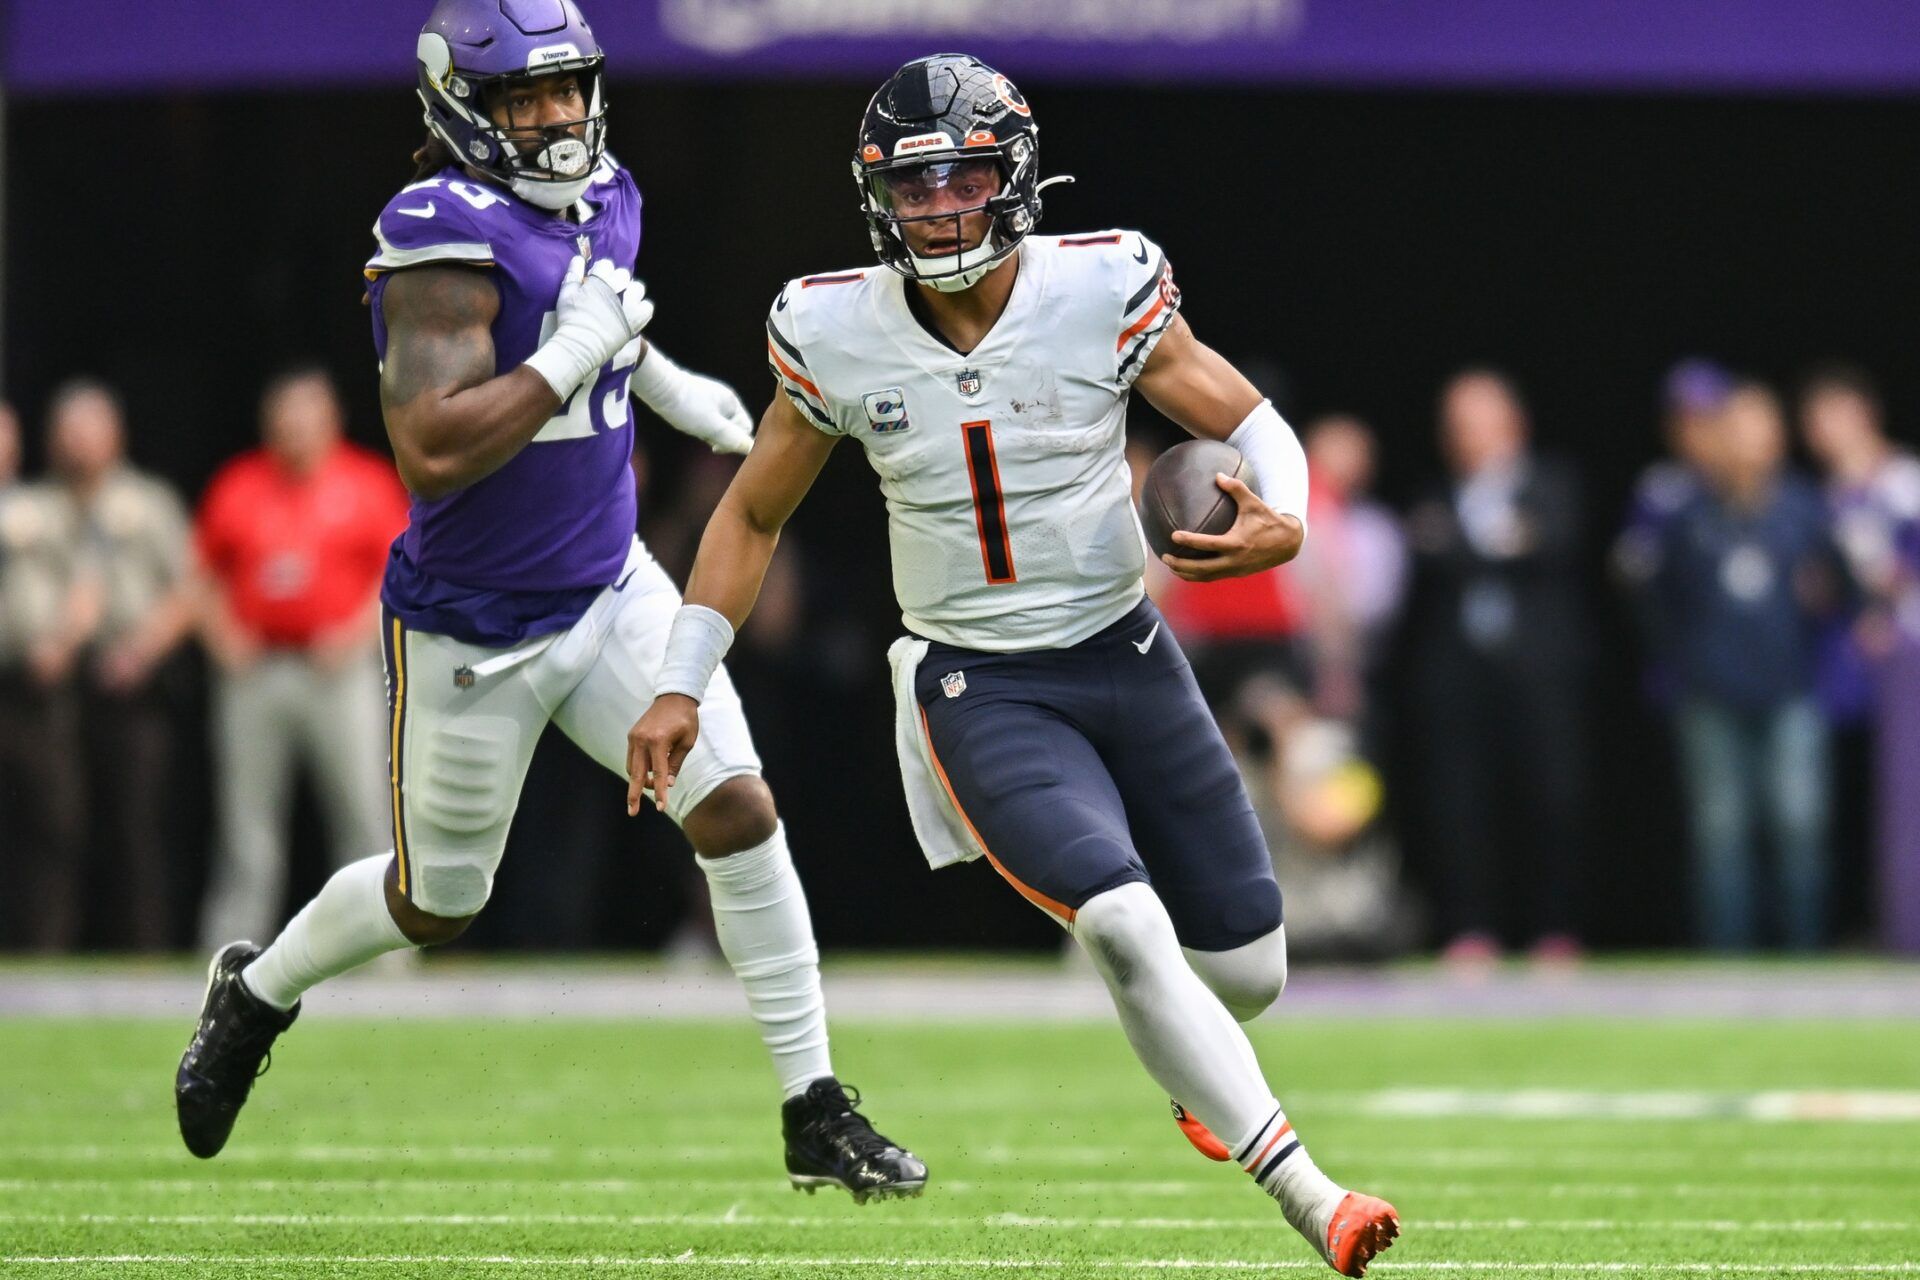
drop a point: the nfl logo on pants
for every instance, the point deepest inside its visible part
(954, 683)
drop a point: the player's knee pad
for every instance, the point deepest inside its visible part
(459, 801)
(467, 779)
(1249, 978)
(1127, 932)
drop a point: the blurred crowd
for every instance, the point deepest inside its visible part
(1409, 699)
(1448, 647)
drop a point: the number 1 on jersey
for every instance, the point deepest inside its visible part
(989, 505)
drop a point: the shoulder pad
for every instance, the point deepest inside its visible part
(442, 219)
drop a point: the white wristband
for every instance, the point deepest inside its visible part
(700, 637)
(1279, 463)
(565, 362)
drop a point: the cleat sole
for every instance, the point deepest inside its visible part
(1363, 1227)
(1199, 1135)
(811, 1184)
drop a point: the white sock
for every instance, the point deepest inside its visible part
(1273, 1155)
(1191, 1045)
(1179, 1030)
(760, 916)
(346, 925)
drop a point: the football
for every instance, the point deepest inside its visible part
(1180, 493)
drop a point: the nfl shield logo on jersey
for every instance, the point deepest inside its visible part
(969, 382)
(886, 410)
(954, 683)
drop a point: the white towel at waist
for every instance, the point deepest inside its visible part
(945, 838)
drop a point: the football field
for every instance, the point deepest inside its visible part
(519, 1146)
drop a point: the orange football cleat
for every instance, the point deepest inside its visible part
(1362, 1227)
(1199, 1135)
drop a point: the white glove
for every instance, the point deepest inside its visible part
(599, 311)
(693, 404)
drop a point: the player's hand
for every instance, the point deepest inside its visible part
(1260, 539)
(694, 404)
(657, 746)
(601, 306)
(599, 311)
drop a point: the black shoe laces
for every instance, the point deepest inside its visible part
(228, 1052)
(852, 1128)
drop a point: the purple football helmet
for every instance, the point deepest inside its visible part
(469, 47)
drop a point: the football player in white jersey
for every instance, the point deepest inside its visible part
(1047, 719)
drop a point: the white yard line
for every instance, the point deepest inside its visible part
(1771, 1105)
(1079, 1155)
(691, 1258)
(733, 1218)
(946, 1186)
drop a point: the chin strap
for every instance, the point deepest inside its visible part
(552, 196)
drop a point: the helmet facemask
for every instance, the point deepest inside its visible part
(549, 165)
(893, 190)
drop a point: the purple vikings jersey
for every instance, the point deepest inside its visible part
(523, 551)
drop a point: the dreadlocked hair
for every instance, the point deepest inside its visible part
(433, 156)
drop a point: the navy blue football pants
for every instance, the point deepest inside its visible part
(1086, 768)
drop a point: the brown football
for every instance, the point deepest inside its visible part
(1181, 493)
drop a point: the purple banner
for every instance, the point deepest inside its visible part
(57, 47)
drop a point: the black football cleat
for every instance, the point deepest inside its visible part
(830, 1144)
(228, 1052)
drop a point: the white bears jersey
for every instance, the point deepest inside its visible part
(1009, 504)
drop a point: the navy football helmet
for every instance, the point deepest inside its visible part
(946, 121)
(470, 47)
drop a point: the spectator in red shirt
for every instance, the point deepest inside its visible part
(292, 542)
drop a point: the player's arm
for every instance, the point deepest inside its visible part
(1193, 385)
(692, 403)
(735, 550)
(451, 419)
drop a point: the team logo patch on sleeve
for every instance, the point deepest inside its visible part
(886, 411)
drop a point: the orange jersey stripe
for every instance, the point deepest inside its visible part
(784, 368)
(1145, 320)
(1038, 899)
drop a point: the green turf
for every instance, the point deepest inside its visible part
(450, 1149)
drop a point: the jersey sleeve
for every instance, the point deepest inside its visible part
(789, 364)
(1151, 300)
(431, 222)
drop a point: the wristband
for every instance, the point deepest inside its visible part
(565, 362)
(1279, 463)
(700, 637)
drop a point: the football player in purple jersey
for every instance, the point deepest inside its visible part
(508, 325)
